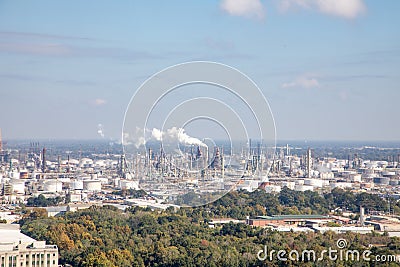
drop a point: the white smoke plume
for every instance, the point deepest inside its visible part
(175, 135)
(100, 130)
(169, 136)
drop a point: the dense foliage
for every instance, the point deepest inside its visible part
(41, 201)
(239, 205)
(130, 192)
(140, 237)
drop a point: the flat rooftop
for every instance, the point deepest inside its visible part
(292, 217)
(10, 233)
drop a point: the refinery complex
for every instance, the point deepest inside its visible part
(83, 174)
(90, 173)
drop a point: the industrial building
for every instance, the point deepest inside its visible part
(294, 220)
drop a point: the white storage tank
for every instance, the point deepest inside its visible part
(103, 180)
(304, 188)
(272, 189)
(100, 163)
(355, 177)
(71, 162)
(92, 185)
(76, 197)
(341, 185)
(128, 184)
(64, 179)
(326, 175)
(76, 185)
(86, 163)
(52, 186)
(289, 185)
(313, 182)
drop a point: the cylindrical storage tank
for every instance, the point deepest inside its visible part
(72, 162)
(128, 184)
(86, 163)
(100, 163)
(76, 185)
(355, 177)
(272, 189)
(367, 185)
(340, 185)
(103, 180)
(18, 186)
(92, 185)
(52, 186)
(325, 182)
(289, 185)
(65, 179)
(381, 180)
(313, 182)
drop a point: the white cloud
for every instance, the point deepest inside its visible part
(302, 82)
(342, 8)
(99, 102)
(44, 49)
(244, 8)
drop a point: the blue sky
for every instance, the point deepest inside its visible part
(329, 69)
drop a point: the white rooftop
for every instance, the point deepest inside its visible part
(10, 233)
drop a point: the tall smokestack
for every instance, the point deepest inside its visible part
(44, 160)
(122, 170)
(348, 161)
(398, 160)
(59, 164)
(68, 169)
(249, 147)
(308, 161)
(222, 165)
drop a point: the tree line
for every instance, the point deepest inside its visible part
(106, 236)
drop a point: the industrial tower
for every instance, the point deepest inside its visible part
(309, 162)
